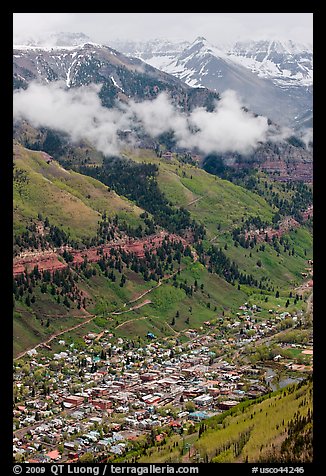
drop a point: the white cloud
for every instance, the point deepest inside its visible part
(307, 136)
(159, 116)
(79, 113)
(228, 127)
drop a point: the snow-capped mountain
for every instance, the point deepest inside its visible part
(121, 77)
(160, 48)
(273, 78)
(58, 39)
(285, 62)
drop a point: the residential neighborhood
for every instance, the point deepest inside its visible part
(99, 398)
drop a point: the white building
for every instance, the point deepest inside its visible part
(203, 400)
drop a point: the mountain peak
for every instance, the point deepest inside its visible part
(263, 71)
(200, 38)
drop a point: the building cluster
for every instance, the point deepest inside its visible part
(99, 402)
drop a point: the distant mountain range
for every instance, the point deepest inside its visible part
(273, 78)
(124, 77)
(121, 77)
(53, 39)
(287, 63)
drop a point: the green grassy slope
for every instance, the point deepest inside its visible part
(159, 316)
(218, 201)
(283, 269)
(75, 202)
(70, 200)
(221, 206)
(105, 297)
(35, 323)
(265, 422)
(253, 431)
(30, 329)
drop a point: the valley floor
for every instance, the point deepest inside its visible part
(114, 397)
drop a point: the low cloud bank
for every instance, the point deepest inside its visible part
(79, 113)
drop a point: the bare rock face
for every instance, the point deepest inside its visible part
(285, 162)
(282, 161)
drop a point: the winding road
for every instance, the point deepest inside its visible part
(92, 316)
(56, 334)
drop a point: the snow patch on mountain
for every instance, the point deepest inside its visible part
(274, 77)
(285, 62)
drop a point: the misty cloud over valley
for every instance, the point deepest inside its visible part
(79, 113)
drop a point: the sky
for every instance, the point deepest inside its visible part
(217, 28)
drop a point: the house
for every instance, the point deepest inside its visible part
(54, 455)
(31, 352)
(140, 414)
(211, 383)
(131, 422)
(253, 393)
(104, 443)
(147, 377)
(101, 404)
(73, 400)
(117, 449)
(175, 424)
(151, 399)
(167, 381)
(69, 445)
(95, 420)
(61, 355)
(97, 391)
(227, 404)
(188, 372)
(203, 400)
(213, 391)
(77, 415)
